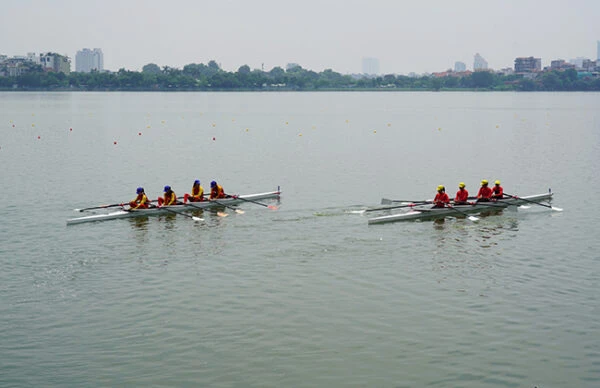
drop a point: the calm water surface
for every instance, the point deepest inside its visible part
(307, 295)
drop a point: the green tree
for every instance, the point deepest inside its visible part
(245, 69)
(482, 79)
(551, 81)
(151, 68)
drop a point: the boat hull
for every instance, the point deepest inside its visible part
(178, 208)
(423, 213)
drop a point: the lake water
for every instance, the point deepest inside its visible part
(307, 295)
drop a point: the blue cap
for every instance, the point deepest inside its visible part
(196, 182)
(167, 188)
(213, 184)
(140, 190)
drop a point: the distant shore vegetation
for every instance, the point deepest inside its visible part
(210, 77)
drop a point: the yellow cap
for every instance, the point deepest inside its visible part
(440, 187)
(484, 182)
(461, 184)
(497, 182)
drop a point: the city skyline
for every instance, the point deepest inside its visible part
(404, 37)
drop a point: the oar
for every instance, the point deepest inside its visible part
(183, 214)
(556, 209)
(99, 207)
(107, 206)
(412, 204)
(499, 204)
(470, 217)
(386, 201)
(272, 207)
(238, 211)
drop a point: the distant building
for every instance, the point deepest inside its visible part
(528, 65)
(87, 60)
(370, 66)
(588, 65)
(31, 57)
(479, 63)
(598, 51)
(560, 64)
(578, 62)
(460, 66)
(55, 62)
(506, 71)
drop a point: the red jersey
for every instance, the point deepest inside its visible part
(441, 199)
(484, 193)
(497, 191)
(462, 195)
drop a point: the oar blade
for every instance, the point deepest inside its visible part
(273, 207)
(222, 214)
(238, 211)
(473, 218)
(557, 209)
(197, 219)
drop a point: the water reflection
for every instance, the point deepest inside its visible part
(139, 223)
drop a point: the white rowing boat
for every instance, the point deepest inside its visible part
(223, 202)
(428, 213)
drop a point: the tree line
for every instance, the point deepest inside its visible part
(207, 77)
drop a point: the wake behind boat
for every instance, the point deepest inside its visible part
(426, 212)
(222, 202)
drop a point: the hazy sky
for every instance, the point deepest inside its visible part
(406, 36)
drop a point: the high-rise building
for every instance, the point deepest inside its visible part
(598, 51)
(479, 63)
(87, 60)
(370, 66)
(528, 64)
(460, 67)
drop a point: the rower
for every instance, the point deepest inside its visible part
(441, 198)
(197, 193)
(169, 198)
(216, 191)
(497, 191)
(462, 195)
(485, 193)
(139, 202)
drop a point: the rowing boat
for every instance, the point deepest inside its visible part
(223, 202)
(423, 213)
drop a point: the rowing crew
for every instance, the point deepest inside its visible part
(170, 198)
(485, 194)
